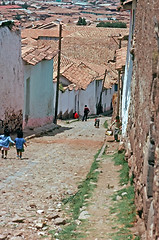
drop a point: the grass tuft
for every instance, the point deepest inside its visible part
(119, 159)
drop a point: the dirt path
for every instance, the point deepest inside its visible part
(31, 189)
(100, 223)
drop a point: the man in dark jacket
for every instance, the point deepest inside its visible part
(86, 111)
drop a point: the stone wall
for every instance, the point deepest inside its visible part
(143, 124)
(13, 120)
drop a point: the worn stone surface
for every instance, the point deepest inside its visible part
(32, 189)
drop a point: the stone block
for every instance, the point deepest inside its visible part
(146, 205)
(151, 154)
(145, 172)
(150, 180)
(150, 221)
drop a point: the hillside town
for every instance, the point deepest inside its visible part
(68, 12)
(58, 57)
(87, 52)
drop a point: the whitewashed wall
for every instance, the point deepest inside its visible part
(107, 98)
(128, 75)
(75, 100)
(64, 81)
(98, 89)
(88, 97)
(66, 101)
(11, 72)
(41, 95)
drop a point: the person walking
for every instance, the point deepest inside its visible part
(5, 140)
(20, 142)
(86, 111)
(117, 126)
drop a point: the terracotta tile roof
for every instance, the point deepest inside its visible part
(36, 33)
(121, 58)
(110, 80)
(28, 40)
(35, 54)
(9, 6)
(80, 74)
(91, 44)
(93, 47)
(64, 63)
(46, 25)
(100, 69)
(62, 10)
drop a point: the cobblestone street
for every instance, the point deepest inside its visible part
(31, 189)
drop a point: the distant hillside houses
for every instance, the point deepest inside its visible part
(65, 11)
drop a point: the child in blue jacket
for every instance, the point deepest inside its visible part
(5, 140)
(20, 143)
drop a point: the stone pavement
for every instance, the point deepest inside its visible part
(37, 131)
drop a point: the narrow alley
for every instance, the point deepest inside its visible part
(31, 189)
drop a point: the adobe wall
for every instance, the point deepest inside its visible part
(143, 125)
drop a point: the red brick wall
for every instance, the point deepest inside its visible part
(143, 126)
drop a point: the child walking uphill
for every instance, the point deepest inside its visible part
(4, 143)
(20, 143)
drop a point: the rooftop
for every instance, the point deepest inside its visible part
(33, 54)
(121, 58)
